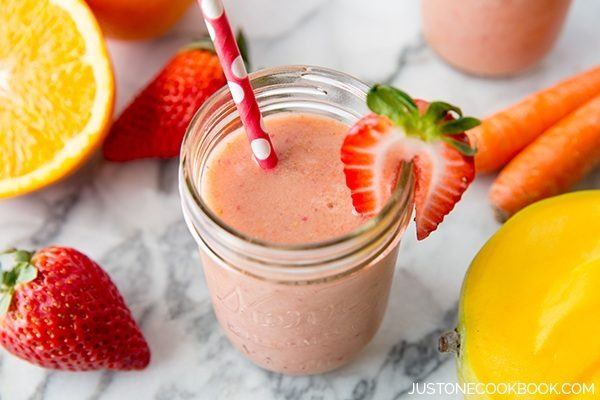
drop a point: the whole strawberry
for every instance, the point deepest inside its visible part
(154, 124)
(402, 129)
(60, 310)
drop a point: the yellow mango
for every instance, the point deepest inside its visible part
(530, 303)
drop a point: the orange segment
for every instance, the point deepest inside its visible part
(56, 91)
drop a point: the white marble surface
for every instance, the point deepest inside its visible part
(128, 218)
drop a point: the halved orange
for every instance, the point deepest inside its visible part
(56, 91)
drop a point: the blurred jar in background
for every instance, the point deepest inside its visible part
(270, 18)
(493, 37)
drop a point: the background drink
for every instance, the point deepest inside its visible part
(493, 37)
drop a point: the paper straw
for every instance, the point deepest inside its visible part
(237, 79)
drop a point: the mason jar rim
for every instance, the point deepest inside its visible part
(192, 200)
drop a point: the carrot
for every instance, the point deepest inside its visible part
(553, 163)
(500, 137)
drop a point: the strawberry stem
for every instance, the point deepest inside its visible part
(440, 121)
(205, 43)
(243, 46)
(15, 269)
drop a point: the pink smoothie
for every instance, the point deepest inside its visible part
(294, 327)
(492, 37)
(303, 200)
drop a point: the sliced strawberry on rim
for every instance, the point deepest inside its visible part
(403, 129)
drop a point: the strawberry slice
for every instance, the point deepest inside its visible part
(403, 129)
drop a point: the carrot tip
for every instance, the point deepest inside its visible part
(500, 215)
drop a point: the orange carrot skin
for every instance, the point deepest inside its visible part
(552, 164)
(500, 137)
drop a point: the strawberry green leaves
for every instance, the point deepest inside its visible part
(438, 110)
(440, 121)
(15, 269)
(459, 125)
(391, 102)
(462, 147)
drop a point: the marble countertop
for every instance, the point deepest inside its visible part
(127, 217)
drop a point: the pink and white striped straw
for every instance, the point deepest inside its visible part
(237, 79)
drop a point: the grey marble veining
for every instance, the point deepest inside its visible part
(127, 217)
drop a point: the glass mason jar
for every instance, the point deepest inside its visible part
(493, 37)
(294, 309)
